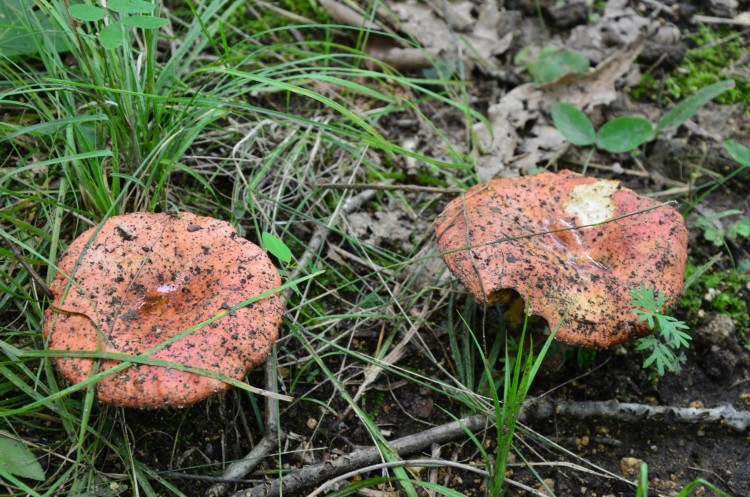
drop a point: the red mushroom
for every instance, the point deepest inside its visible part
(520, 237)
(145, 278)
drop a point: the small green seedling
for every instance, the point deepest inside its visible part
(276, 247)
(669, 332)
(119, 14)
(552, 63)
(625, 134)
(716, 234)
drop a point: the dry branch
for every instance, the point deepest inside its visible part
(318, 473)
(628, 411)
(273, 435)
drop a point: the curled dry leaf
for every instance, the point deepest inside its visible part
(145, 278)
(440, 33)
(621, 24)
(520, 236)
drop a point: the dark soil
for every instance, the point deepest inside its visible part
(675, 453)
(191, 443)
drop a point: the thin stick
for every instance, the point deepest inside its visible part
(611, 409)
(726, 39)
(630, 172)
(220, 479)
(410, 463)
(433, 463)
(317, 473)
(382, 186)
(720, 20)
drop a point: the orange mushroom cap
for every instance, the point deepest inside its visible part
(511, 237)
(145, 278)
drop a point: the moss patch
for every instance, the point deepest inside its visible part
(702, 67)
(719, 292)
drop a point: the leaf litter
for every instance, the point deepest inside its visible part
(390, 225)
(509, 150)
(519, 135)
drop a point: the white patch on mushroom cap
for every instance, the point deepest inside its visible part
(592, 203)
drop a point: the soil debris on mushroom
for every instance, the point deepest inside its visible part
(569, 245)
(145, 278)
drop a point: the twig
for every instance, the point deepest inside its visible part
(628, 411)
(677, 190)
(629, 172)
(726, 39)
(410, 463)
(720, 20)
(346, 15)
(432, 473)
(383, 186)
(433, 463)
(739, 382)
(658, 7)
(219, 479)
(317, 473)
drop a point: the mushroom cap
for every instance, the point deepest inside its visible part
(144, 279)
(512, 226)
